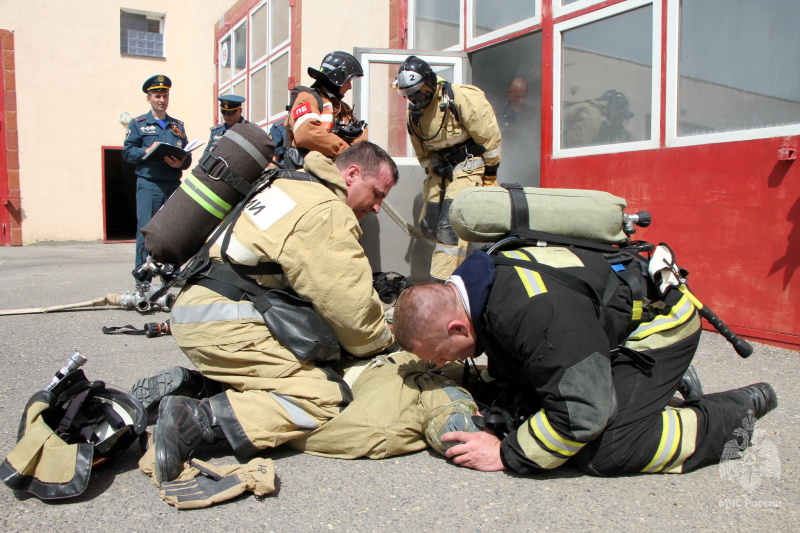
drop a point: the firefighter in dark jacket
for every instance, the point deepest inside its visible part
(569, 395)
(456, 138)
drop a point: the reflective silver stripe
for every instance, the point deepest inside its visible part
(248, 147)
(670, 437)
(532, 281)
(680, 313)
(304, 118)
(492, 153)
(197, 314)
(300, 418)
(550, 437)
(443, 248)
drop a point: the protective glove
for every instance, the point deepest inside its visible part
(212, 484)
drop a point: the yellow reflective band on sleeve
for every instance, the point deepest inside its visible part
(532, 281)
(550, 438)
(636, 311)
(680, 313)
(205, 197)
(670, 439)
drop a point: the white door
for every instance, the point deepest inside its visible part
(388, 247)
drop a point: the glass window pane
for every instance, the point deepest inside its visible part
(258, 32)
(225, 60)
(606, 86)
(279, 26)
(240, 89)
(436, 24)
(487, 17)
(387, 111)
(278, 90)
(514, 90)
(258, 95)
(240, 41)
(738, 65)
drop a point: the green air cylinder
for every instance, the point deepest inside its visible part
(182, 225)
(484, 214)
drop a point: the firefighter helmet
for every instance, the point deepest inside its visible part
(413, 75)
(618, 108)
(336, 69)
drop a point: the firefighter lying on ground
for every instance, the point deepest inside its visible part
(456, 138)
(318, 118)
(565, 395)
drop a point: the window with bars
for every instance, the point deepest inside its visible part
(141, 35)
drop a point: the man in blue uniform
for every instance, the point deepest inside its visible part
(230, 106)
(155, 180)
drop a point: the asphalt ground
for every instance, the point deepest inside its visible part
(415, 492)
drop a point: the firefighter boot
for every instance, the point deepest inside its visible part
(690, 387)
(763, 397)
(173, 381)
(183, 425)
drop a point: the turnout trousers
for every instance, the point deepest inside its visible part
(649, 436)
(271, 397)
(450, 251)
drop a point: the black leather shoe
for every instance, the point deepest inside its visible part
(183, 425)
(173, 381)
(763, 397)
(690, 387)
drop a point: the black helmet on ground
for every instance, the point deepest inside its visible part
(336, 69)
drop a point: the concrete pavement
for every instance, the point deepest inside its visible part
(416, 492)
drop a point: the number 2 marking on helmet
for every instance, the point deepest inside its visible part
(412, 78)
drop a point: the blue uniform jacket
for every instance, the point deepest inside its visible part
(144, 131)
(217, 132)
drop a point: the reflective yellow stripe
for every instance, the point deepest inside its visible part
(680, 313)
(205, 197)
(670, 438)
(636, 311)
(550, 438)
(531, 280)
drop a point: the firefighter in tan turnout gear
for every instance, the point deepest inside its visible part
(456, 138)
(318, 118)
(311, 231)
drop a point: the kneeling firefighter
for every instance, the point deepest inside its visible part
(456, 138)
(587, 344)
(287, 284)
